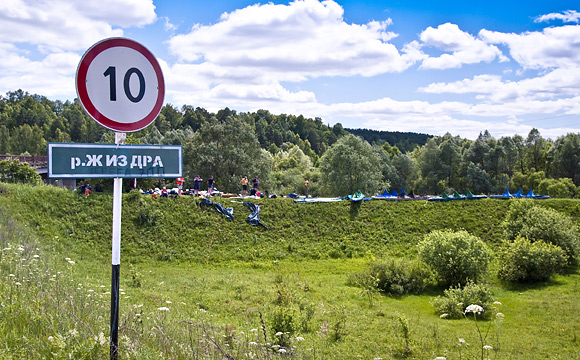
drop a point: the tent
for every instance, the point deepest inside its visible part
(505, 195)
(470, 196)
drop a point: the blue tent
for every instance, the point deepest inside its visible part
(505, 195)
(531, 195)
(383, 196)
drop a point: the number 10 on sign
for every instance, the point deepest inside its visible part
(120, 84)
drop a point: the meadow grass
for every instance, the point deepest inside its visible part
(197, 286)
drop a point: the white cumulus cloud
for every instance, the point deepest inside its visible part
(567, 16)
(551, 48)
(70, 25)
(305, 38)
(460, 48)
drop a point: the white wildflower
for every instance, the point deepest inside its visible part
(462, 340)
(443, 316)
(17, 283)
(163, 308)
(282, 351)
(71, 262)
(168, 302)
(279, 333)
(101, 339)
(299, 338)
(203, 310)
(499, 316)
(74, 333)
(497, 303)
(476, 309)
(253, 330)
(253, 343)
(440, 358)
(12, 275)
(36, 256)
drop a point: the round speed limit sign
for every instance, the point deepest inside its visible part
(120, 84)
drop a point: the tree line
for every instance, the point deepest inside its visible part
(283, 150)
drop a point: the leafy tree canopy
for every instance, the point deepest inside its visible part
(349, 165)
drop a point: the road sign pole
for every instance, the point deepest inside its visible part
(131, 110)
(116, 258)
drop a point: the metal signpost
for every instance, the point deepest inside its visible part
(120, 85)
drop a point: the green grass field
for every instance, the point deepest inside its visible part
(195, 285)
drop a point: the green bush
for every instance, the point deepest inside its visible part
(394, 276)
(13, 171)
(537, 223)
(456, 299)
(526, 261)
(456, 257)
(282, 326)
(148, 216)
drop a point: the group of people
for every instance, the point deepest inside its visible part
(255, 183)
(85, 189)
(210, 185)
(197, 183)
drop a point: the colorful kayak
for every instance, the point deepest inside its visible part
(357, 196)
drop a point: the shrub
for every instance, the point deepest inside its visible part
(455, 256)
(537, 223)
(526, 261)
(282, 326)
(148, 216)
(394, 276)
(456, 299)
(13, 171)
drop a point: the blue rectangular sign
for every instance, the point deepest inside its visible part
(114, 161)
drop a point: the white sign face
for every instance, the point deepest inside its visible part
(120, 84)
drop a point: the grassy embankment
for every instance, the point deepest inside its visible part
(293, 276)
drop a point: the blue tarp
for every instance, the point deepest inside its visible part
(254, 217)
(227, 212)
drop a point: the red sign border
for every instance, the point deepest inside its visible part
(83, 94)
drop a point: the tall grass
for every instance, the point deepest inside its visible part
(195, 286)
(47, 313)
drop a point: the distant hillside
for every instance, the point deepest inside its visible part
(405, 141)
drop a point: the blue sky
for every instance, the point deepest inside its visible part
(431, 67)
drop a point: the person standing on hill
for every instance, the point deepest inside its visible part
(306, 185)
(179, 182)
(244, 185)
(255, 183)
(196, 183)
(209, 185)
